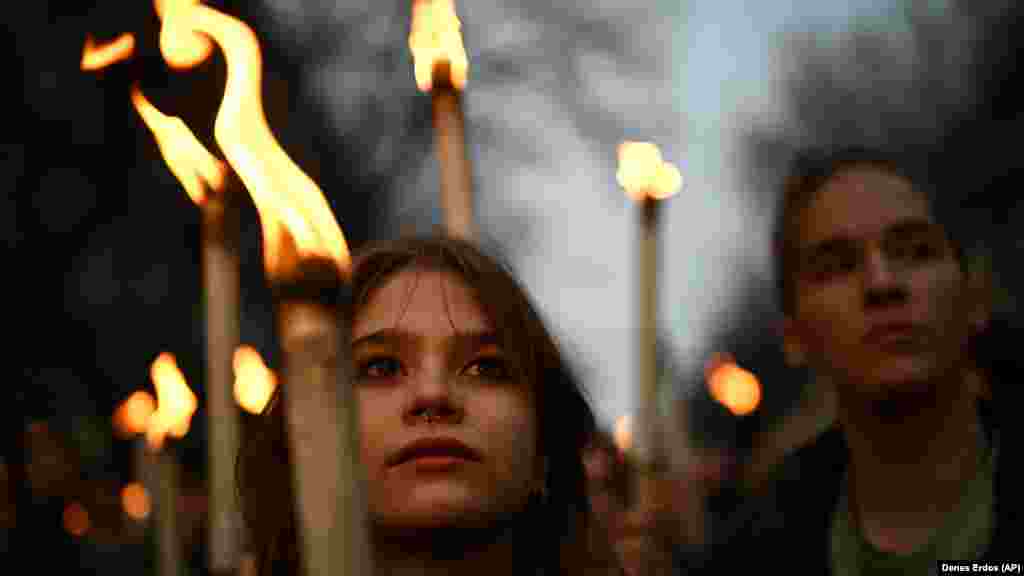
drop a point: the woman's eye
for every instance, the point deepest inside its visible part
(833, 264)
(379, 367)
(490, 367)
(920, 252)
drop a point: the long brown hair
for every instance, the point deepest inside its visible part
(560, 528)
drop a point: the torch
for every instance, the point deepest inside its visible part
(205, 180)
(175, 405)
(307, 262)
(647, 179)
(440, 68)
(130, 421)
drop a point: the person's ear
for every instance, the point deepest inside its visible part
(793, 348)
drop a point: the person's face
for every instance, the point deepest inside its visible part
(880, 298)
(421, 343)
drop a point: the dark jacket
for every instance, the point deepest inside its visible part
(789, 527)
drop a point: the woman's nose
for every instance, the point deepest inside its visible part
(433, 397)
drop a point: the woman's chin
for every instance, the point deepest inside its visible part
(436, 513)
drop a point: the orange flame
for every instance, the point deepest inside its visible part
(643, 174)
(99, 56)
(190, 162)
(135, 501)
(175, 402)
(132, 416)
(435, 38)
(288, 200)
(254, 382)
(733, 387)
(623, 433)
(76, 519)
(181, 47)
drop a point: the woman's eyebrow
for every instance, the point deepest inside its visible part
(386, 337)
(477, 339)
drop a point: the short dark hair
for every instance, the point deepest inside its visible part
(808, 173)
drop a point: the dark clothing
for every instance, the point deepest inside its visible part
(789, 528)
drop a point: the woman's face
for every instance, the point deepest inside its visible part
(429, 370)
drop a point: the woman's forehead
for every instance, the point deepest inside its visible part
(429, 302)
(861, 202)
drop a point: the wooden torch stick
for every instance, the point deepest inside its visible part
(453, 160)
(647, 179)
(648, 447)
(220, 229)
(321, 420)
(165, 489)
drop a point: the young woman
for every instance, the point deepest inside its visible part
(471, 426)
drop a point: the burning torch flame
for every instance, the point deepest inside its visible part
(175, 402)
(623, 433)
(254, 382)
(135, 501)
(132, 417)
(287, 199)
(435, 38)
(643, 174)
(76, 519)
(190, 162)
(182, 48)
(733, 387)
(99, 56)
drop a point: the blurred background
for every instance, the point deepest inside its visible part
(105, 242)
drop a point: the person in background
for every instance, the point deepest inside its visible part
(607, 483)
(471, 426)
(877, 298)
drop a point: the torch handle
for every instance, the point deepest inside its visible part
(168, 539)
(453, 162)
(222, 289)
(647, 438)
(332, 528)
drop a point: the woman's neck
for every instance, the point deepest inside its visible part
(907, 470)
(447, 551)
